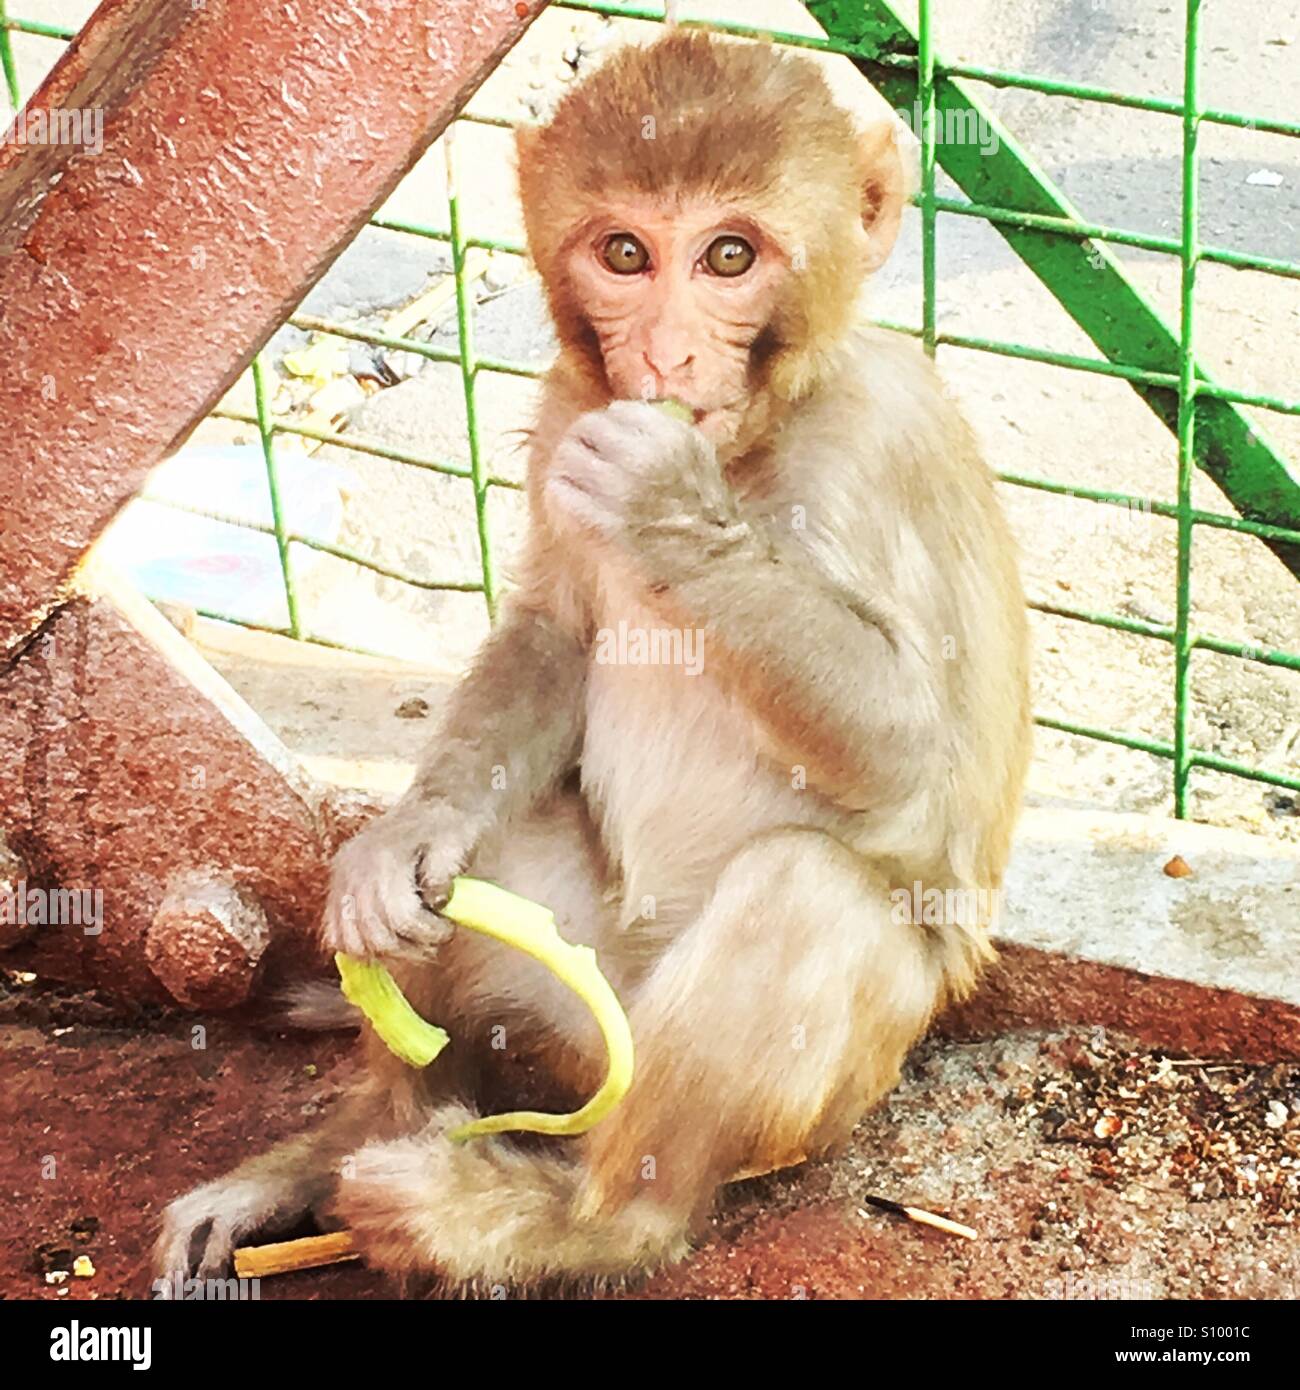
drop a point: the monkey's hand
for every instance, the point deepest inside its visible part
(388, 883)
(633, 471)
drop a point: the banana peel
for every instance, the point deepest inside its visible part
(528, 927)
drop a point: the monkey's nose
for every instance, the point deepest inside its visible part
(663, 373)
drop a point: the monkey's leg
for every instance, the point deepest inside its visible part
(481, 991)
(762, 1033)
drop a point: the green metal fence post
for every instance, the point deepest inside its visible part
(1187, 383)
(266, 432)
(468, 372)
(7, 61)
(929, 114)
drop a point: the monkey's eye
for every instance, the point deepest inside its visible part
(625, 255)
(729, 255)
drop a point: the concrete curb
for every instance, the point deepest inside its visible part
(1095, 932)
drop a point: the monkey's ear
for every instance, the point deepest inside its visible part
(884, 190)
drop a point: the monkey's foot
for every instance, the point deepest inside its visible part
(484, 1212)
(201, 1229)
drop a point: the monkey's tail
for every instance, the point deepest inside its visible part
(488, 1212)
(318, 1006)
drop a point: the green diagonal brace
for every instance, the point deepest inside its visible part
(1083, 275)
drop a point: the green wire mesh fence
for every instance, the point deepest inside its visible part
(1006, 190)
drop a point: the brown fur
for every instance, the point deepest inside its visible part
(782, 151)
(732, 842)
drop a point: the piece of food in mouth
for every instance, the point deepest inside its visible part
(670, 405)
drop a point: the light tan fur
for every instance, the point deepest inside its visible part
(735, 840)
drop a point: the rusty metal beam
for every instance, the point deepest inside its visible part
(121, 797)
(130, 771)
(244, 145)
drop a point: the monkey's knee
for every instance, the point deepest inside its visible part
(770, 1025)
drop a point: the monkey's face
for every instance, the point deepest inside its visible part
(704, 217)
(678, 299)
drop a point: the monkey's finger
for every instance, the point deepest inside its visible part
(186, 1227)
(658, 424)
(428, 923)
(348, 907)
(571, 498)
(380, 941)
(647, 417)
(419, 937)
(342, 932)
(611, 439)
(171, 1255)
(379, 906)
(433, 879)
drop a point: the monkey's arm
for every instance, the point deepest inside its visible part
(512, 726)
(511, 731)
(839, 681)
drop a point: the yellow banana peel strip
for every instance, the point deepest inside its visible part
(528, 927)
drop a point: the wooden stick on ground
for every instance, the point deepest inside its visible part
(311, 1252)
(923, 1217)
(338, 1247)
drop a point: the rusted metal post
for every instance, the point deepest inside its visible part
(129, 769)
(243, 144)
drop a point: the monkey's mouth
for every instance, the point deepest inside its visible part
(721, 419)
(678, 406)
(713, 413)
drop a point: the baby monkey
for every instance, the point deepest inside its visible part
(740, 836)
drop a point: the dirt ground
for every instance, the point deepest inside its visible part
(1089, 1168)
